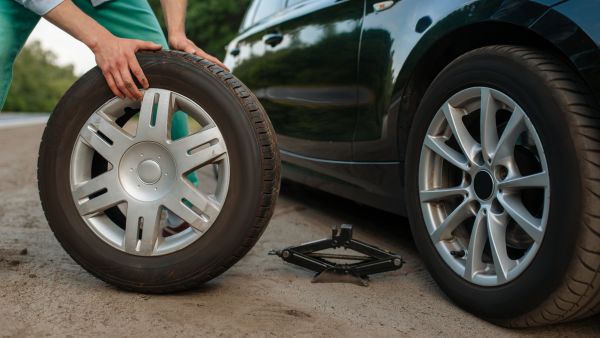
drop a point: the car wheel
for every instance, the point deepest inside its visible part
(113, 179)
(503, 185)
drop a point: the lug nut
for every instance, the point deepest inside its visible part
(458, 254)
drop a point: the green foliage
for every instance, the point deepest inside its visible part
(211, 24)
(38, 82)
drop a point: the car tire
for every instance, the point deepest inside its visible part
(253, 185)
(561, 281)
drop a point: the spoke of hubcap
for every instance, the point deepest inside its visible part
(209, 154)
(113, 142)
(437, 144)
(476, 246)
(202, 202)
(441, 194)
(444, 230)
(155, 126)
(514, 127)
(142, 228)
(539, 180)
(465, 141)
(489, 133)
(496, 228)
(105, 187)
(214, 147)
(95, 185)
(187, 192)
(196, 140)
(517, 211)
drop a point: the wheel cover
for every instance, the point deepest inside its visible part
(148, 173)
(484, 186)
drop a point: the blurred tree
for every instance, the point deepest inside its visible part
(211, 24)
(38, 82)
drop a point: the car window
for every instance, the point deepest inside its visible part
(247, 22)
(267, 8)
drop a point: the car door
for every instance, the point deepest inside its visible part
(300, 58)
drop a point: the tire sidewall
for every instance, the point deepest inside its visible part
(547, 111)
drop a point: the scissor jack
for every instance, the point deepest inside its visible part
(351, 268)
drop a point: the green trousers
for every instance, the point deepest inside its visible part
(131, 19)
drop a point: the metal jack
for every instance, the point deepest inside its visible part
(349, 268)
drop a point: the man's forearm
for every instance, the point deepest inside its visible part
(71, 19)
(175, 11)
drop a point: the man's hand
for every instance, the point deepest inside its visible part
(116, 58)
(174, 11)
(182, 43)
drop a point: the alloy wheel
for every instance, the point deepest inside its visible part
(484, 186)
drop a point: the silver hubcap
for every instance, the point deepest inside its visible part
(484, 186)
(147, 175)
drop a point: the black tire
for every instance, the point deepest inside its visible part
(563, 281)
(253, 188)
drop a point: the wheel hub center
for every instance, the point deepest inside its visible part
(483, 185)
(149, 171)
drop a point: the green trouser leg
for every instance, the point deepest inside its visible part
(16, 23)
(134, 19)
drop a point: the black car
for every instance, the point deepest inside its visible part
(479, 120)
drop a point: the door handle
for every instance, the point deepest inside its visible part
(235, 51)
(273, 39)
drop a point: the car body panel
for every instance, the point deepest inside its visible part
(573, 27)
(395, 46)
(311, 105)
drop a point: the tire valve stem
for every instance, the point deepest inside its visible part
(458, 254)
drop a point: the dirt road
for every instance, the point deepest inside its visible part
(44, 293)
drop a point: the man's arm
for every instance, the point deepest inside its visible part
(114, 56)
(175, 11)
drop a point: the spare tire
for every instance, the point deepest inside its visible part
(112, 177)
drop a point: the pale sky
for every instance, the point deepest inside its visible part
(68, 49)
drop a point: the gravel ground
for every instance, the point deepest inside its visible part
(44, 293)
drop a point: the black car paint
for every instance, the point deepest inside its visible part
(357, 149)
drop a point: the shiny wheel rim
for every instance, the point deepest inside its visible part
(484, 186)
(146, 177)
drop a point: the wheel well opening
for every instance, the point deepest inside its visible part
(453, 45)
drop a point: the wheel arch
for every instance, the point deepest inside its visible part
(429, 61)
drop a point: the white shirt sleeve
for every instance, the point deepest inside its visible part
(40, 7)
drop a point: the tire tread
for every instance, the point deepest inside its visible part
(579, 293)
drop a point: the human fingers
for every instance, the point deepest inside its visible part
(210, 58)
(147, 45)
(129, 83)
(121, 84)
(137, 71)
(112, 84)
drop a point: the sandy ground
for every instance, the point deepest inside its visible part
(44, 293)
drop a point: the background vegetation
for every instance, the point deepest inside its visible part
(39, 82)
